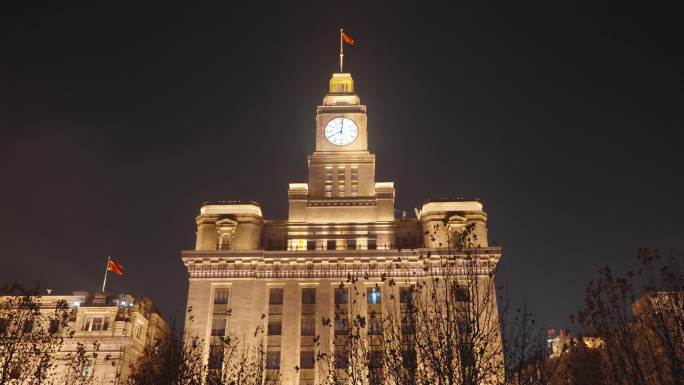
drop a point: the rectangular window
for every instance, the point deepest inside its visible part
(341, 357)
(406, 295)
(341, 296)
(351, 244)
(274, 327)
(407, 325)
(216, 356)
(332, 244)
(87, 370)
(220, 296)
(308, 296)
(100, 323)
(461, 293)
(218, 326)
(306, 359)
(272, 360)
(28, 327)
(275, 296)
(375, 359)
(4, 324)
(311, 245)
(54, 326)
(373, 294)
(375, 325)
(372, 244)
(341, 326)
(308, 327)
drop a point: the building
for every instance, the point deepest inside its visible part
(117, 329)
(284, 274)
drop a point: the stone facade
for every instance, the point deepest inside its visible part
(341, 224)
(121, 326)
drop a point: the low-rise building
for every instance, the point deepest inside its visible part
(110, 331)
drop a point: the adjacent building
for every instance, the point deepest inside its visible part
(112, 330)
(248, 270)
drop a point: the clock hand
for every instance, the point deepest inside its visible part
(341, 126)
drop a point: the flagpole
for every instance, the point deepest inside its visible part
(105, 277)
(341, 51)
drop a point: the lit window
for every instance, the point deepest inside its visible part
(373, 296)
(93, 324)
(87, 370)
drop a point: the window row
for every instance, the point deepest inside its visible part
(332, 244)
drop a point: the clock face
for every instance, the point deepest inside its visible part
(341, 131)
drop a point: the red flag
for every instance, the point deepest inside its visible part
(115, 267)
(347, 39)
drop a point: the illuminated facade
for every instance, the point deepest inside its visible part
(113, 330)
(283, 273)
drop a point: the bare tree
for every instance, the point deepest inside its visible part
(31, 337)
(640, 319)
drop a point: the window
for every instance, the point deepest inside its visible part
(4, 323)
(308, 296)
(87, 370)
(354, 180)
(274, 327)
(409, 358)
(461, 294)
(272, 360)
(328, 181)
(351, 244)
(406, 295)
(407, 325)
(341, 357)
(341, 326)
(341, 180)
(54, 326)
(375, 325)
(306, 359)
(308, 327)
(332, 244)
(98, 323)
(311, 245)
(220, 296)
(375, 359)
(28, 327)
(341, 296)
(218, 326)
(373, 294)
(275, 297)
(372, 244)
(216, 352)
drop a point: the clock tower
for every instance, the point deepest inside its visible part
(341, 169)
(287, 276)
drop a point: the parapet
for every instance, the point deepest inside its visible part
(226, 225)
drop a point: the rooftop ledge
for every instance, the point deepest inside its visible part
(231, 207)
(478, 252)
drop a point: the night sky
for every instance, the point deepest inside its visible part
(564, 119)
